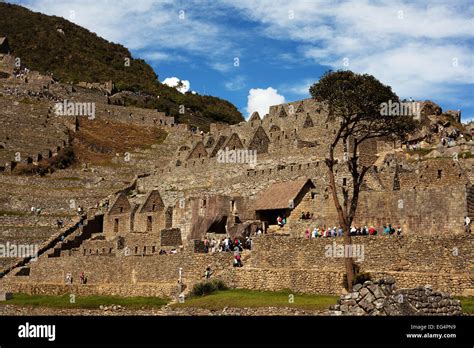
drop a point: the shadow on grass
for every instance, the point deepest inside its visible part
(86, 302)
(239, 298)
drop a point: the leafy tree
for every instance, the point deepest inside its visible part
(354, 103)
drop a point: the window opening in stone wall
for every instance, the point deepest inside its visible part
(149, 223)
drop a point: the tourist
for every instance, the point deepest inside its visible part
(386, 229)
(237, 261)
(353, 231)
(259, 230)
(248, 243)
(303, 216)
(208, 273)
(467, 224)
(315, 232)
(324, 232)
(365, 231)
(238, 244)
(399, 231)
(308, 216)
(68, 278)
(213, 245)
(391, 229)
(307, 234)
(284, 220)
(372, 231)
(280, 221)
(82, 278)
(206, 245)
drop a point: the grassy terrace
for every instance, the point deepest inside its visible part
(249, 298)
(467, 304)
(237, 298)
(88, 302)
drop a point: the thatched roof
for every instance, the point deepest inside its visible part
(278, 196)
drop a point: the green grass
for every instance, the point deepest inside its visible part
(88, 302)
(249, 298)
(467, 304)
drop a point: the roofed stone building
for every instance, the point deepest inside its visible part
(281, 199)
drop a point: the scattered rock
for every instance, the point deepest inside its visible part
(382, 298)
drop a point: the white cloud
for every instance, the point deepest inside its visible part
(300, 89)
(235, 84)
(174, 82)
(146, 24)
(409, 45)
(157, 56)
(261, 99)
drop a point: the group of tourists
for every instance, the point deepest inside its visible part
(226, 245)
(36, 210)
(306, 216)
(69, 279)
(386, 229)
(170, 252)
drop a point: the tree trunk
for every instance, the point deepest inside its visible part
(343, 221)
(348, 261)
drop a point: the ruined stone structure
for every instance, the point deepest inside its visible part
(382, 298)
(174, 195)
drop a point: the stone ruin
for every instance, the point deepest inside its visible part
(382, 298)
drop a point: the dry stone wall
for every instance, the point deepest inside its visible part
(381, 298)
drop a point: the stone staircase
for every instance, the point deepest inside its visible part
(275, 229)
(74, 240)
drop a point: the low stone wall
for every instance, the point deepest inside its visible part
(162, 290)
(276, 263)
(381, 298)
(312, 281)
(453, 254)
(121, 269)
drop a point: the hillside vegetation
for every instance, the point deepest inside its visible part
(76, 54)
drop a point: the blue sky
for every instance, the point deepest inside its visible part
(257, 53)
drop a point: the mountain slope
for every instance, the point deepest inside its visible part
(51, 44)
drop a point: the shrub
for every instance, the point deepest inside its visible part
(208, 287)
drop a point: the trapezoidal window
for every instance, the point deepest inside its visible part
(116, 225)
